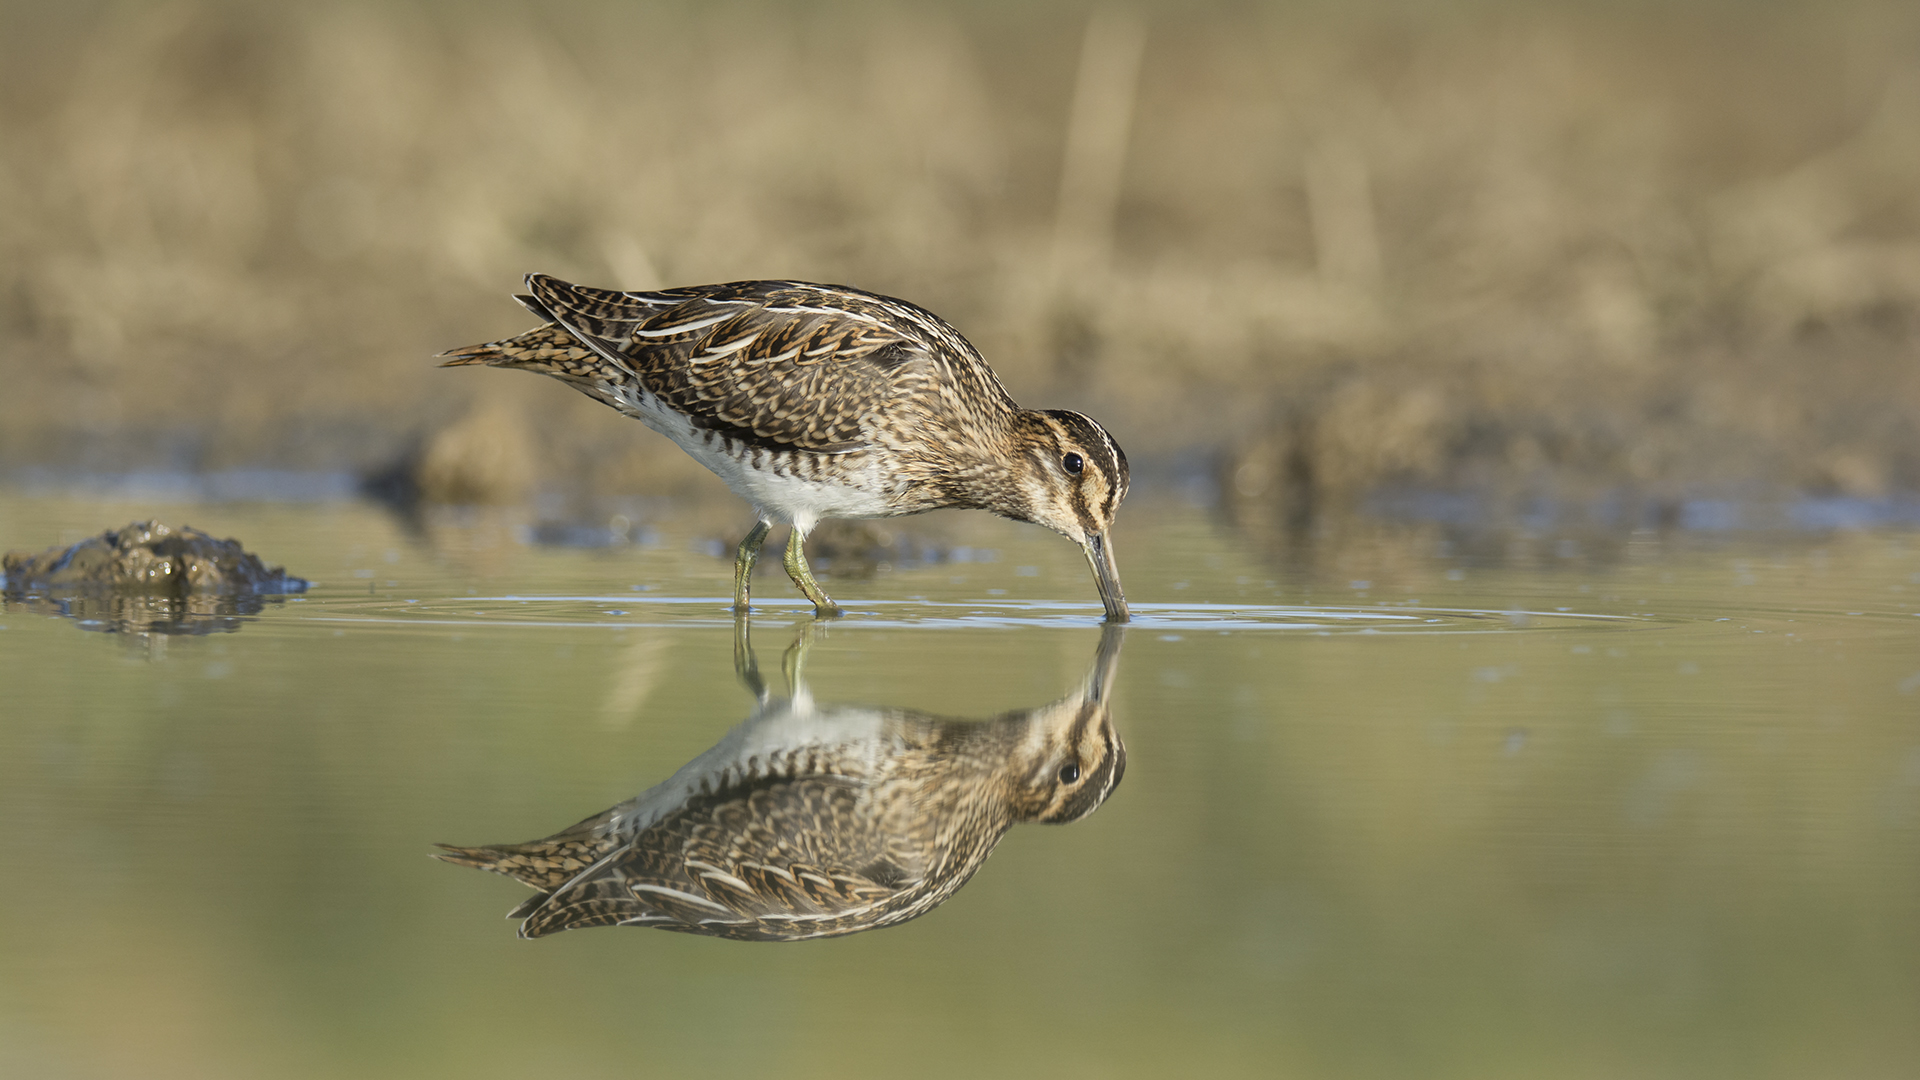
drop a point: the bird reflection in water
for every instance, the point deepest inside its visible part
(813, 820)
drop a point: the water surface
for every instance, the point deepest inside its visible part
(1394, 806)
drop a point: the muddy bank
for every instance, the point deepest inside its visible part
(147, 578)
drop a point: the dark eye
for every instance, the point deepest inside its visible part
(1073, 463)
(1069, 772)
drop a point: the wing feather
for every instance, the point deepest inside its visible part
(779, 364)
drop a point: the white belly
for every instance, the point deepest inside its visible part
(788, 500)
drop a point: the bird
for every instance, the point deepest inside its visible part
(823, 401)
(810, 821)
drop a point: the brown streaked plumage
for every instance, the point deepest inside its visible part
(818, 820)
(815, 401)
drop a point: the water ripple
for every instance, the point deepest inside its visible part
(627, 611)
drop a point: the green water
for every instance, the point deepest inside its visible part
(1392, 808)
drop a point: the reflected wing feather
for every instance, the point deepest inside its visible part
(781, 849)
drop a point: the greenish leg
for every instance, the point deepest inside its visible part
(823, 605)
(793, 664)
(744, 559)
(745, 664)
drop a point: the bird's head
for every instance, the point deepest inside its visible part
(1069, 757)
(1071, 478)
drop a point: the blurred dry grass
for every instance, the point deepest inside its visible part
(1513, 247)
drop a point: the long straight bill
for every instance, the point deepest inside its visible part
(1099, 551)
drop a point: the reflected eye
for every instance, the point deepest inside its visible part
(1069, 772)
(1073, 463)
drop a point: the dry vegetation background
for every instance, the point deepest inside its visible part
(1547, 248)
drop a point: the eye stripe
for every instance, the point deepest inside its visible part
(1116, 756)
(1098, 449)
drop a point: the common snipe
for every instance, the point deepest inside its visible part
(818, 401)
